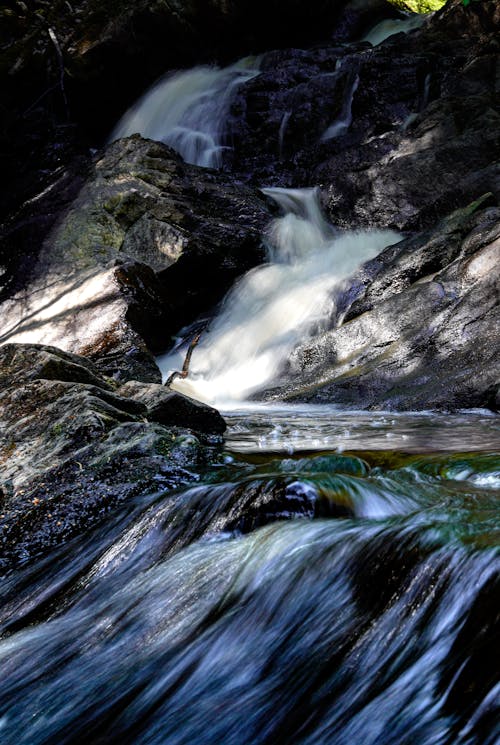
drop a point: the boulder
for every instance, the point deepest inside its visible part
(72, 448)
(419, 326)
(148, 244)
(174, 409)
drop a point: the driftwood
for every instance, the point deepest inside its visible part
(185, 367)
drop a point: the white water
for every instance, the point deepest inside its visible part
(344, 120)
(189, 110)
(391, 26)
(275, 305)
(281, 133)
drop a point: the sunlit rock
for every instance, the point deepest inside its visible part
(419, 331)
(127, 263)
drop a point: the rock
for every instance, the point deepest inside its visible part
(174, 409)
(419, 329)
(72, 449)
(24, 364)
(69, 71)
(127, 264)
(424, 135)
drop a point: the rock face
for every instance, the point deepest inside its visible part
(147, 245)
(68, 71)
(72, 447)
(419, 328)
(424, 131)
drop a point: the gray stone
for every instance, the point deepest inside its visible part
(72, 448)
(128, 263)
(421, 330)
(174, 409)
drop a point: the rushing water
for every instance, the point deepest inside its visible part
(332, 579)
(275, 305)
(188, 110)
(391, 26)
(333, 598)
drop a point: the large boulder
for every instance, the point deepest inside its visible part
(174, 409)
(148, 244)
(418, 326)
(72, 447)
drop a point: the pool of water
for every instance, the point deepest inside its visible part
(294, 428)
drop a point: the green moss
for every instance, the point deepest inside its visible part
(57, 430)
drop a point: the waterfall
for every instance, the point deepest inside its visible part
(275, 305)
(188, 110)
(281, 134)
(383, 30)
(344, 120)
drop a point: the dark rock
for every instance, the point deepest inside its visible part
(128, 262)
(425, 132)
(21, 363)
(174, 409)
(421, 330)
(68, 71)
(72, 449)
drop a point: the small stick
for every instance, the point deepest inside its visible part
(187, 360)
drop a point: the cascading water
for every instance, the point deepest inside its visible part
(188, 111)
(273, 306)
(316, 600)
(367, 617)
(344, 120)
(391, 26)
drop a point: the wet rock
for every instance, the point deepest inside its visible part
(20, 364)
(174, 409)
(70, 70)
(72, 448)
(420, 328)
(424, 135)
(127, 264)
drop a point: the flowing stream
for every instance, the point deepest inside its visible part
(390, 26)
(331, 578)
(188, 110)
(275, 305)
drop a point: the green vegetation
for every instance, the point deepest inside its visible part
(419, 6)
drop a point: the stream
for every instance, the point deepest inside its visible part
(331, 578)
(289, 595)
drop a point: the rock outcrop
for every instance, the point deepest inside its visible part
(148, 244)
(73, 447)
(419, 326)
(419, 138)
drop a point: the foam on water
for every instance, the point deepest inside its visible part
(188, 110)
(275, 305)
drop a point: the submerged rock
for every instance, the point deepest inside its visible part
(419, 328)
(72, 448)
(128, 263)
